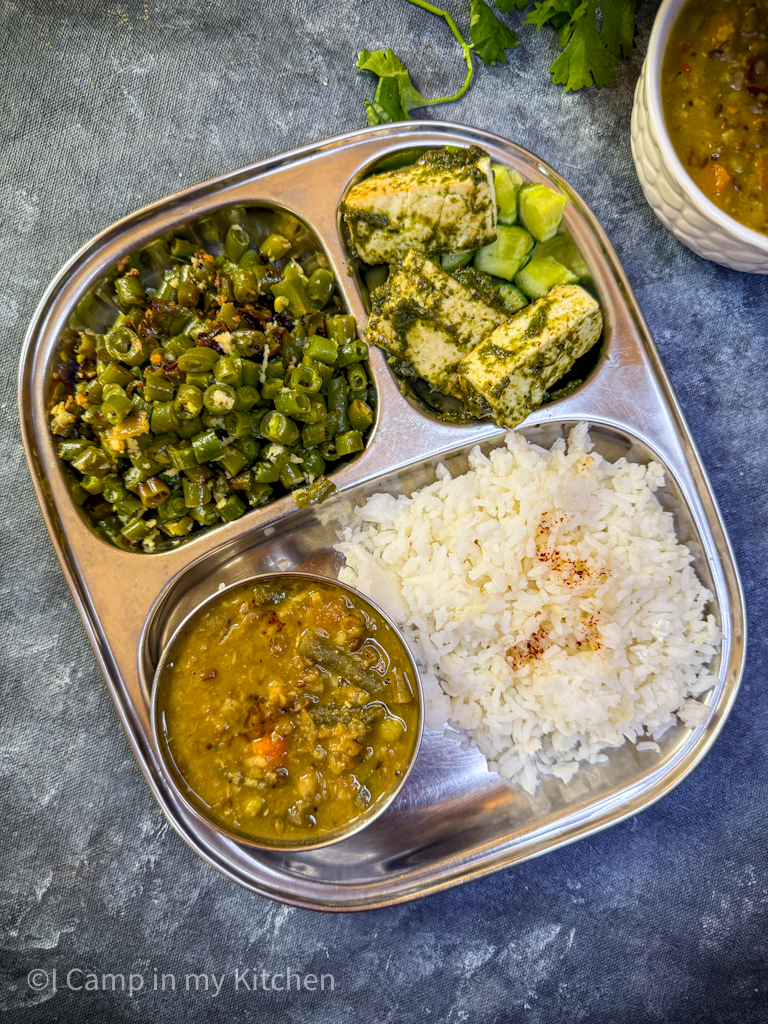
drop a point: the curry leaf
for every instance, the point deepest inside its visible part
(490, 36)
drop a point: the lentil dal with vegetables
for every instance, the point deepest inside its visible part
(714, 88)
(290, 708)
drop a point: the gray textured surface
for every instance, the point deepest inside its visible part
(107, 106)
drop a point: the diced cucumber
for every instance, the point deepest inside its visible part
(541, 210)
(505, 256)
(563, 249)
(508, 183)
(542, 274)
(451, 261)
(512, 297)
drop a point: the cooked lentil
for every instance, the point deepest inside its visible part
(714, 91)
(289, 708)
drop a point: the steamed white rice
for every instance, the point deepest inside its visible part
(547, 601)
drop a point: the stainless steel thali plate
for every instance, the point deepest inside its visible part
(454, 821)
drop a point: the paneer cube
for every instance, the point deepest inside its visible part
(426, 317)
(445, 202)
(507, 375)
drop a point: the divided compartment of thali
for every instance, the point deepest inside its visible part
(453, 821)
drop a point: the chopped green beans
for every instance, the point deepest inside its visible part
(292, 402)
(199, 380)
(249, 447)
(360, 415)
(136, 529)
(323, 349)
(272, 387)
(154, 492)
(189, 402)
(181, 249)
(291, 475)
(207, 446)
(316, 493)
(198, 360)
(231, 508)
(163, 418)
(356, 377)
(239, 423)
(206, 515)
(219, 398)
(312, 462)
(266, 472)
(226, 379)
(245, 398)
(92, 462)
(129, 289)
(114, 373)
(352, 352)
(182, 458)
(341, 328)
(227, 372)
(92, 484)
(349, 442)
(337, 402)
(306, 379)
(115, 404)
(157, 388)
(277, 427)
(233, 461)
(315, 433)
(293, 289)
(124, 345)
(320, 287)
(195, 494)
(274, 247)
(236, 243)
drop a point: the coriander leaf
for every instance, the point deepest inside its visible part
(618, 31)
(509, 6)
(393, 78)
(585, 56)
(395, 93)
(561, 14)
(376, 114)
(490, 37)
(384, 63)
(388, 98)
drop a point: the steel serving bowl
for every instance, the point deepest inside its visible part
(197, 806)
(672, 194)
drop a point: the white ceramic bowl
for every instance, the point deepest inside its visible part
(678, 203)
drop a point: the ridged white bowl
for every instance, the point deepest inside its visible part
(673, 196)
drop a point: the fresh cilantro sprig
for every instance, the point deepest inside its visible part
(589, 53)
(491, 38)
(592, 35)
(396, 94)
